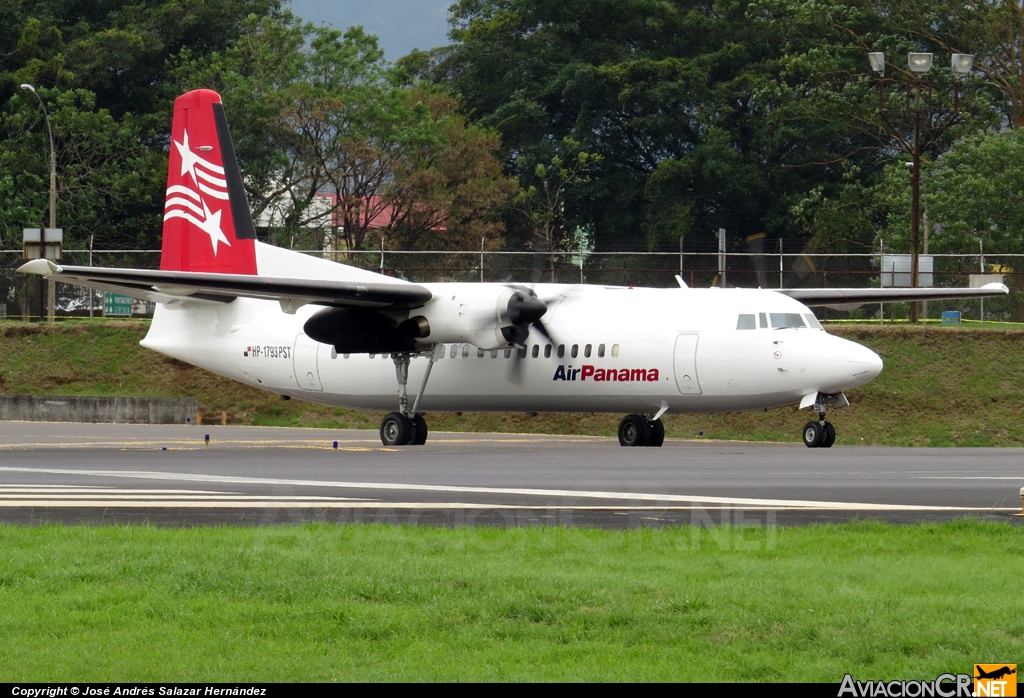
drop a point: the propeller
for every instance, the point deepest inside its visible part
(524, 310)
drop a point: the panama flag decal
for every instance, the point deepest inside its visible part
(201, 180)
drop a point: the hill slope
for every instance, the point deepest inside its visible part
(942, 386)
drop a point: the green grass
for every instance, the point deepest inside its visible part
(325, 602)
(942, 386)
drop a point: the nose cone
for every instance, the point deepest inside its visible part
(863, 364)
(846, 364)
(854, 365)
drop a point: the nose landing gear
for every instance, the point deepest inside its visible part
(822, 434)
(819, 434)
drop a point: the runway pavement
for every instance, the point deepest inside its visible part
(166, 475)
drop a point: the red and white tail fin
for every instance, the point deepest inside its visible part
(207, 223)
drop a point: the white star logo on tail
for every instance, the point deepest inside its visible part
(184, 201)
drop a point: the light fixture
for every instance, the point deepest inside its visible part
(919, 62)
(28, 88)
(962, 63)
(877, 60)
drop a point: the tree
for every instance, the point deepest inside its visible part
(973, 192)
(318, 112)
(109, 183)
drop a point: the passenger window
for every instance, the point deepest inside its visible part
(522, 352)
(385, 356)
(547, 351)
(561, 351)
(575, 351)
(373, 356)
(536, 350)
(479, 353)
(746, 322)
(812, 321)
(783, 320)
(586, 352)
(615, 351)
(465, 351)
(508, 353)
(346, 355)
(455, 350)
(600, 351)
(764, 320)
(494, 353)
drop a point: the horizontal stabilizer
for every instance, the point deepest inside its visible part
(164, 286)
(854, 296)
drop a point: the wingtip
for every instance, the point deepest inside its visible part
(42, 267)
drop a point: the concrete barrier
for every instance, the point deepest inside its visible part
(110, 410)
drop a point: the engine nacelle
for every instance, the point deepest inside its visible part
(484, 315)
(359, 331)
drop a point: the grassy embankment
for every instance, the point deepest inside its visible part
(942, 386)
(322, 603)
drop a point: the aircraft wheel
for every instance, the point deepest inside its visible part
(813, 434)
(634, 431)
(657, 433)
(419, 426)
(396, 429)
(830, 436)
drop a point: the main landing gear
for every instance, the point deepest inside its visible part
(405, 427)
(641, 430)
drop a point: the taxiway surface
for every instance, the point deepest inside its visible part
(166, 475)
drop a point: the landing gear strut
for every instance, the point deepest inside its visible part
(822, 434)
(641, 430)
(406, 427)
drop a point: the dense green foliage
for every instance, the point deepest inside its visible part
(623, 124)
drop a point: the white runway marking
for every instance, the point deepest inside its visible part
(971, 477)
(636, 499)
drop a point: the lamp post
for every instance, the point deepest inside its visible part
(919, 98)
(53, 186)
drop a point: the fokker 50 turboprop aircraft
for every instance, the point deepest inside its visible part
(327, 332)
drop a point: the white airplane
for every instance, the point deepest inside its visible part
(330, 333)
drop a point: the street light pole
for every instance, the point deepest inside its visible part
(53, 188)
(920, 64)
(915, 212)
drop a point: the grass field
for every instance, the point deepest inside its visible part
(941, 386)
(344, 603)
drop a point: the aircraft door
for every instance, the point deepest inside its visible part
(685, 363)
(304, 361)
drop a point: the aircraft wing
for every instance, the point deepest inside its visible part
(856, 296)
(166, 286)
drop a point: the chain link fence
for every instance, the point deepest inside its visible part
(20, 296)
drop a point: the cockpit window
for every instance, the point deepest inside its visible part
(813, 321)
(746, 322)
(781, 320)
(764, 320)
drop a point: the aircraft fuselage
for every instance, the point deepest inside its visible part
(611, 350)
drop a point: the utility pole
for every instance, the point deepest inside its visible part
(53, 202)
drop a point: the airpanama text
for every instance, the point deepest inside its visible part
(568, 373)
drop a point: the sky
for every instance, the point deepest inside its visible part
(401, 25)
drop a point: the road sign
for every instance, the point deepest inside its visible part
(115, 304)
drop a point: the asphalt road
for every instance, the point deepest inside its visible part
(166, 475)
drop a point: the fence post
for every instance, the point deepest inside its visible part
(482, 239)
(92, 294)
(780, 263)
(382, 254)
